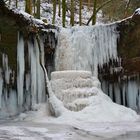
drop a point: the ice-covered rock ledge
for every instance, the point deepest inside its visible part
(81, 92)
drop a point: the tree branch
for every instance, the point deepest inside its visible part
(97, 10)
(126, 8)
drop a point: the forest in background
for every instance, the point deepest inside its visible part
(110, 10)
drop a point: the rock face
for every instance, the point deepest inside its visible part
(22, 41)
(122, 81)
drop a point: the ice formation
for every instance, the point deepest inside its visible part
(86, 48)
(1, 83)
(125, 93)
(35, 83)
(20, 69)
(55, 106)
(81, 92)
(79, 48)
(74, 88)
(89, 48)
(30, 84)
(92, 106)
(8, 97)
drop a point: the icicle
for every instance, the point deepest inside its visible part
(20, 70)
(7, 70)
(42, 96)
(125, 93)
(32, 60)
(1, 88)
(37, 75)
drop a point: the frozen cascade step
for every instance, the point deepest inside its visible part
(73, 93)
(74, 87)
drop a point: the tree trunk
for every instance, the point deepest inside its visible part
(97, 10)
(16, 3)
(80, 12)
(28, 6)
(126, 8)
(54, 11)
(34, 6)
(72, 13)
(94, 12)
(63, 12)
(88, 4)
(59, 6)
(38, 9)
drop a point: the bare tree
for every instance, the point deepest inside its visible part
(63, 12)
(96, 10)
(59, 8)
(72, 13)
(54, 11)
(80, 12)
(28, 6)
(127, 7)
(38, 9)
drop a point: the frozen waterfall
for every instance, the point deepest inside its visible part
(90, 48)
(86, 48)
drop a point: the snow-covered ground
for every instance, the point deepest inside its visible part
(10, 130)
(99, 120)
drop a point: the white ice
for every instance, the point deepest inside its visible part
(86, 48)
(20, 70)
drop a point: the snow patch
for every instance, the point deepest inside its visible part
(137, 12)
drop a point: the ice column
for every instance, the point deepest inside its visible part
(1, 87)
(20, 70)
(36, 73)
